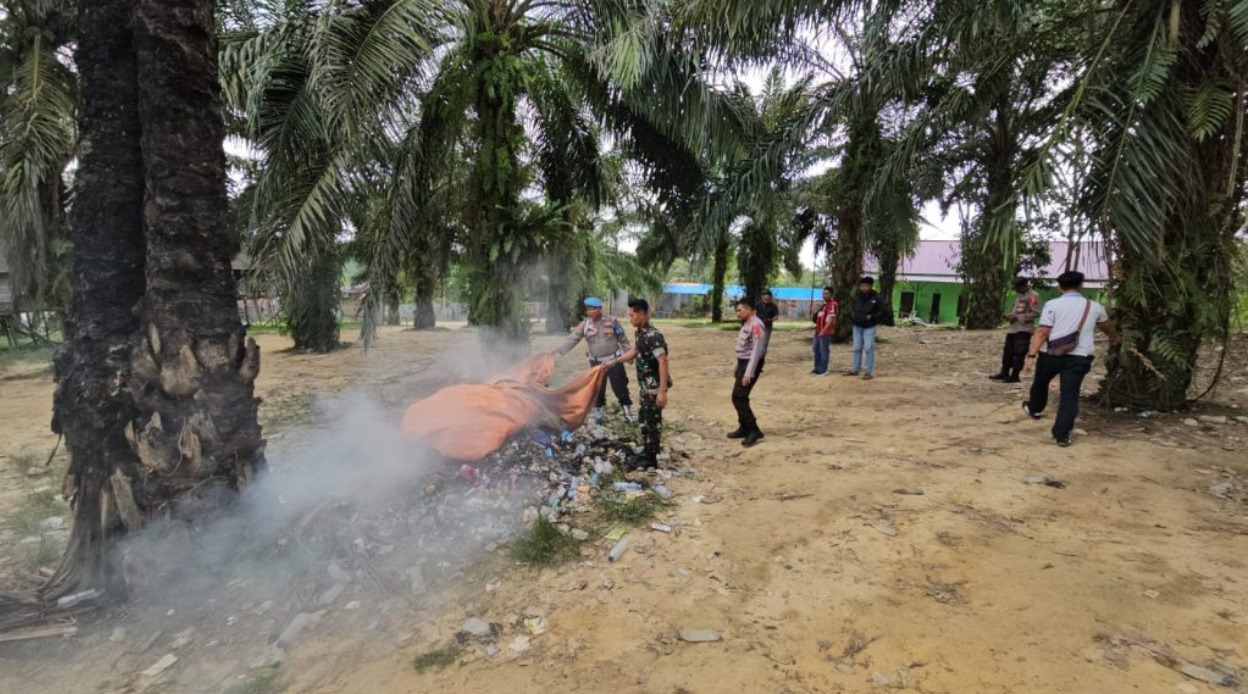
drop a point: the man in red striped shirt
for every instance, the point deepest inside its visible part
(825, 328)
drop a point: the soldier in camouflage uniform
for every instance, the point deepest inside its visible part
(650, 351)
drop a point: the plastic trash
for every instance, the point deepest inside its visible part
(617, 550)
(627, 487)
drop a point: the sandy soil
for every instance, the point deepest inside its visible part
(801, 553)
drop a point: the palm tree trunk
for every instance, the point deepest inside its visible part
(92, 406)
(392, 308)
(196, 430)
(984, 258)
(721, 276)
(846, 257)
(313, 304)
(426, 288)
(889, 255)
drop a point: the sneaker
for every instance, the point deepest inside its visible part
(867, 377)
(752, 438)
(737, 433)
(1064, 441)
(1027, 411)
(641, 461)
(849, 373)
(628, 412)
(998, 377)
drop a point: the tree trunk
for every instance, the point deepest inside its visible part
(846, 257)
(92, 405)
(562, 302)
(313, 304)
(1169, 301)
(756, 261)
(992, 251)
(392, 308)
(721, 276)
(426, 288)
(193, 369)
(888, 253)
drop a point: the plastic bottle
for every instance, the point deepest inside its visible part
(617, 550)
(627, 487)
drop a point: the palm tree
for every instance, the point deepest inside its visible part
(38, 97)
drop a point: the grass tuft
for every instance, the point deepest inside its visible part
(438, 658)
(41, 553)
(24, 461)
(270, 682)
(542, 544)
(633, 510)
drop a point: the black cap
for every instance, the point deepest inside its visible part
(1021, 282)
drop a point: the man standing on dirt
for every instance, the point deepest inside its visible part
(1018, 338)
(650, 351)
(1067, 357)
(606, 340)
(825, 327)
(768, 312)
(866, 310)
(751, 349)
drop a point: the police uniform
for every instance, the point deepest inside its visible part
(606, 339)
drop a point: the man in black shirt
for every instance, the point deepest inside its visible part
(866, 310)
(767, 312)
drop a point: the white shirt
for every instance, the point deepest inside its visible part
(1061, 316)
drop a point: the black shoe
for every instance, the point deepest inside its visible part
(1014, 379)
(998, 377)
(1064, 441)
(641, 461)
(737, 433)
(752, 438)
(1027, 411)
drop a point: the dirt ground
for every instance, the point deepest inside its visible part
(880, 536)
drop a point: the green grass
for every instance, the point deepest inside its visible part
(24, 354)
(543, 545)
(41, 553)
(633, 510)
(285, 407)
(23, 461)
(27, 518)
(265, 683)
(438, 658)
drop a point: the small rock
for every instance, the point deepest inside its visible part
(353, 605)
(53, 523)
(1242, 420)
(879, 680)
(579, 535)
(845, 668)
(1187, 688)
(884, 526)
(161, 665)
(337, 573)
(291, 632)
(477, 627)
(909, 491)
(534, 611)
(329, 596)
(1213, 419)
(1222, 490)
(1152, 594)
(699, 635)
(1191, 422)
(520, 645)
(272, 656)
(490, 649)
(118, 635)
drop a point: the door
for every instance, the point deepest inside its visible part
(935, 315)
(907, 304)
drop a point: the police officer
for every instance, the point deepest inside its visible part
(607, 341)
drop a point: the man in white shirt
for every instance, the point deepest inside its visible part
(1070, 319)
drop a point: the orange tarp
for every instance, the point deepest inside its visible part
(470, 421)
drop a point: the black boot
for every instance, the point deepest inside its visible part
(999, 377)
(752, 438)
(643, 461)
(738, 433)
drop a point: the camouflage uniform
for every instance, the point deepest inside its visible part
(650, 346)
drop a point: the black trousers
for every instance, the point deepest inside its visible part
(741, 397)
(1013, 354)
(618, 378)
(1070, 370)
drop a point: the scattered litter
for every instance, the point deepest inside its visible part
(490, 649)
(329, 596)
(1045, 480)
(520, 645)
(1213, 419)
(792, 497)
(478, 627)
(353, 605)
(161, 665)
(1152, 594)
(535, 625)
(77, 598)
(1191, 422)
(879, 679)
(699, 635)
(38, 633)
(909, 491)
(661, 527)
(1222, 490)
(291, 632)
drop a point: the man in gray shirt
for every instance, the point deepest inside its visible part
(606, 340)
(751, 350)
(1068, 318)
